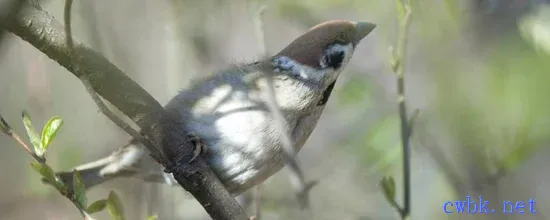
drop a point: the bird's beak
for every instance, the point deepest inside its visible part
(363, 29)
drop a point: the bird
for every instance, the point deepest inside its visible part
(228, 111)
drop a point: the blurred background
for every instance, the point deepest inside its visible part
(477, 71)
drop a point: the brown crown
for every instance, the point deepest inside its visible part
(308, 48)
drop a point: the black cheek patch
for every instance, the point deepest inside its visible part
(326, 94)
(336, 60)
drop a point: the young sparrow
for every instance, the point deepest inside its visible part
(228, 111)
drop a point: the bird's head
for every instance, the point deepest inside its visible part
(321, 53)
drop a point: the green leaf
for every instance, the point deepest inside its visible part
(50, 131)
(4, 126)
(387, 184)
(97, 206)
(153, 217)
(115, 207)
(33, 135)
(79, 190)
(46, 172)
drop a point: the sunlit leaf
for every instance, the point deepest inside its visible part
(97, 206)
(152, 217)
(33, 135)
(114, 206)
(79, 190)
(50, 131)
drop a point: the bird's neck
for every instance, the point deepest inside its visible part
(286, 67)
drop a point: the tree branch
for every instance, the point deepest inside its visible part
(172, 149)
(7, 9)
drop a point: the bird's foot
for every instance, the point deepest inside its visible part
(200, 147)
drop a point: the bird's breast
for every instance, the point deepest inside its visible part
(243, 143)
(244, 146)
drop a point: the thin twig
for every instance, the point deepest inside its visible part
(88, 86)
(108, 113)
(297, 177)
(95, 97)
(260, 32)
(7, 130)
(406, 131)
(68, 29)
(260, 36)
(26, 147)
(21, 142)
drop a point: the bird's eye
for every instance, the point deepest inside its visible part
(333, 59)
(341, 37)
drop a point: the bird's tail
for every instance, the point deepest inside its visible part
(90, 177)
(121, 163)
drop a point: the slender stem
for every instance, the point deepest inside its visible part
(21, 142)
(260, 36)
(17, 138)
(405, 125)
(89, 88)
(67, 22)
(296, 173)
